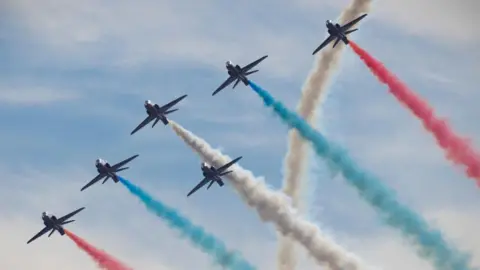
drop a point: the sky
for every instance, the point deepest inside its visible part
(74, 76)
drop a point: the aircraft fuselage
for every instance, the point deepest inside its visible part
(336, 30)
(104, 167)
(236, 71)
(51, 221)
(151, 109)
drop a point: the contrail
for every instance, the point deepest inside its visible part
(103, 260)
(457, 149)
(197, 235)
(273, 207)
(430, 243)
(313, 93)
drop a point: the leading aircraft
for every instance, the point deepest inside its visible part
(53, 223)
(238, 73)
(338, 32)
(105, 170)
(212, 175)
(157, 113)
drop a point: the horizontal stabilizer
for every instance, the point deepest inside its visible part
(350, 31)
(251, 72)
(122, 169)
(68, 221)
(156, 121)
(211, 183)
(50, 234)
(105, 180)
(225, 173)
(170, 111)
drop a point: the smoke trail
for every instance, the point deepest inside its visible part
(273, 207)
(197, 235)
(313, 93)
(457, 149)
(429, 242)
(103, 260)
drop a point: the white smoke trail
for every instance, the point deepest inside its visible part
(313, 93)
(274, 207)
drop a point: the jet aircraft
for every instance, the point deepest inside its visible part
(157, 113)
(105, 170)
(212, 175)
(238, 73)
(338, 32)
(53, 223)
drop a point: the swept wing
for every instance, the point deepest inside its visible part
(171, 104)
(122, 163)
(226, 83)
(143, 123)
(253, 64)
(93, 181)
(226, 166)
(67, 216)
(40, 233)
(197, 187)
(348, 25)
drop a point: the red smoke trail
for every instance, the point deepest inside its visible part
(103, 260)
(457, 149)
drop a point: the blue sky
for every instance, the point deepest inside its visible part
(74, 76)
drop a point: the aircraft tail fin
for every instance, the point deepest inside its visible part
(350, 31)
(170, 111)
(251, 72)
(220, 183)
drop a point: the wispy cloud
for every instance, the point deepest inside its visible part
(33, 95)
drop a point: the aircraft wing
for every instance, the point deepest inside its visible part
(226, 166)
(226, 83)
(197, 187)
(324, 43)
(67, 216)
(253, 64)
(143, 123)
(40, 233)
(171, 103)
(348, 25)
(122, 163)
(93, 181)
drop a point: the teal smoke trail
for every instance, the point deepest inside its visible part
(430, 243)
(197, 235)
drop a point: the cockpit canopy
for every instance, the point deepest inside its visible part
(148, 102)
(229, 63)
(328, 22)
(204, 165)
(99, 161)
(44, 214)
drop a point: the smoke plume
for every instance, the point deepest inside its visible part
(430, 243)
(274, 207)
(313, 93)
(197, 235)
(103, 260)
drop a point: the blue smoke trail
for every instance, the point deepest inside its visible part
(430, 242)
(203, 240)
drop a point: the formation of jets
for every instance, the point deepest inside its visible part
(156, 113)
